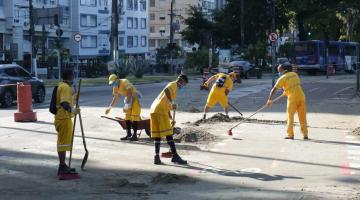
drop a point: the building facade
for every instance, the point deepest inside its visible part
(159, 17)
(89, 18)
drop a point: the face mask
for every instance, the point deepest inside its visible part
(280, 74)
(181, 86)
(115, 84)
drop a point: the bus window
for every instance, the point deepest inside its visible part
(350, 50)
(334, 50)
(304, 49)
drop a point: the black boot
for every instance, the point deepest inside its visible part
(64, 169)
(135, 127)
(204, 116)
(178, 160)
(157, 160)
(134, 137)
(128, 130)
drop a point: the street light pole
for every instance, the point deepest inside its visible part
(114, 31)
(273, 46)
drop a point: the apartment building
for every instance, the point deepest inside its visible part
(159, 17)
(90, 18)
(220, 4)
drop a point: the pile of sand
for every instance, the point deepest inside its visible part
(356, 131)
(190, 134)
(219, 117)
(162, 178)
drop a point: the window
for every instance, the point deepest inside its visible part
(143, 23)
(130, 5)
(143, 41)
(129, 22)
(152, 29)
(104, 22)
(152, 16)
(143, 5)
(10, 72)
(152, 3)
(136, 5)
(162, 17)
(103, 41)
(88, 20)
(21, 73)
(130, 41)
(89, 41)
(103, 4)
(152, 43)
(52, 2)
(136, 41)
(136, 23)
(121, 41)
(91, 3)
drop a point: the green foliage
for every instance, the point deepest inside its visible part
(200, 59)
(123, 68)
(139, 68)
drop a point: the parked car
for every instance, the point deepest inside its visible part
(247, 69)
(10, 75)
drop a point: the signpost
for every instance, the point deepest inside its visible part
(77, 38)
(273, 37)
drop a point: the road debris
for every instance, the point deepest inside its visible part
(190, 134)
(162, 178)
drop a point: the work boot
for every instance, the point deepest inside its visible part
(157, 160)
(289, 138)
(306, 138)
(204, 117)
(178, 160)
(64, 169)
(133, 137)
(125, 138)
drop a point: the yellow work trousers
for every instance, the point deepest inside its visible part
(133, 113)
(298, 106)
(64, 128)
(160, 125)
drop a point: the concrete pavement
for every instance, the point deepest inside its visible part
(256, 163)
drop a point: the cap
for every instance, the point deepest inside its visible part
(112, 78)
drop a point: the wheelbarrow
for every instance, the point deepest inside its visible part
(144, 124)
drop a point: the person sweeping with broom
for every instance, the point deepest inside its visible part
(219, 91)
(132, 107)
(290, 83)
(162, 122)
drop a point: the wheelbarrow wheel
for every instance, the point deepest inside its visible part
(148, 132)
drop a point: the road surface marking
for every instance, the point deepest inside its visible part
(314, 89)
(342, 90)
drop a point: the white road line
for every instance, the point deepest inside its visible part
(342, 90)
(314, 89)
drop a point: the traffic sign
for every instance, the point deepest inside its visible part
(77, 37)
(273, 37)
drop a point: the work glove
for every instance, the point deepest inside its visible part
(173, 122)
(269, 103)
(173, 106)
(107, 111)
(75, 110)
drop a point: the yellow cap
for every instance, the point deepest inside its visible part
(232, 75)
(112, 78)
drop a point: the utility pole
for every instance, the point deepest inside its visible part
(43, 39)
(114, 31)
(273, 45)
(31, 34)
(171, 34)
(242, 24)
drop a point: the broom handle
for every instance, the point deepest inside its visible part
(262, 108)
(73, 132)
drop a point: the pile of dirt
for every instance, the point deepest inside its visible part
(162, 178)
(219, 117)
(356, 131)
(190, 134)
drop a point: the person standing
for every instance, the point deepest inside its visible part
(162, 122)
(132, 107)
(219, 91)
(63, 124)
(291, 84)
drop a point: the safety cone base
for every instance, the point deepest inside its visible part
(25, 117)
(68, 176)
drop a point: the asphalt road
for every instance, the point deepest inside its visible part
(256, 163)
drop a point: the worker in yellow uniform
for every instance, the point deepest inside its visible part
(162, 122)
(219, 91)
(63, 123)
(290, 83)
(132, 107)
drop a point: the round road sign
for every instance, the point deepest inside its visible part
(77, 37)
(273, 37)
